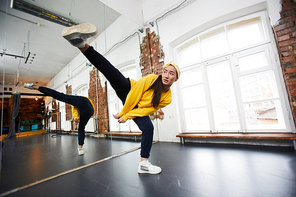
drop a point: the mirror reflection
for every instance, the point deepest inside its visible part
(52, 92)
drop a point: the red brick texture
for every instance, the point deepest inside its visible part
(98, 95)
(29, 109)
(285, 34)
(68, 107)
(152, 60)
(6, 112)
(56, 114)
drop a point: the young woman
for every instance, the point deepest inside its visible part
(140, 98)
(82, 109)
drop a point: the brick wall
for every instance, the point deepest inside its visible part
(6, 112)
(56, 113)
(98, 95)
(29, 109)
(151, 54)
(68, 107)
(286, 41)
(152, 60)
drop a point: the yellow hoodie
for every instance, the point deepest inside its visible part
(139, 96)
(75, 111)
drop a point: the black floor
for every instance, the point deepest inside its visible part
(189, 170)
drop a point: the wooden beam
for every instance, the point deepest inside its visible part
(274, 136)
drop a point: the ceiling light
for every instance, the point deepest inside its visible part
(41, 12)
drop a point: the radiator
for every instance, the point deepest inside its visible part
(67, 125)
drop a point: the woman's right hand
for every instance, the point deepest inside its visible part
(116, 116)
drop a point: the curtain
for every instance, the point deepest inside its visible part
(15, 111)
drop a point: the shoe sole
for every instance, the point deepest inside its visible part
(148, 172)
(29, 87)
(83, 31)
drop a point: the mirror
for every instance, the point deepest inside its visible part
(33, 51)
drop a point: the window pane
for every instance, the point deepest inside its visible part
(223, 97)
(197, 119)
(194, 96)
(245, 33)
(191, 77)
(258, 86)
(253, 61)
(189, 53)
(114, 125)
(83, 91)
(214, 43)
(131, 72)
(125, 126)
(112, 97)
(134, 126)
(115, 104)
(264, 115)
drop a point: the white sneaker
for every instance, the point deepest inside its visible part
(147, 167)
(78, 34)
(29, 86)
(80, 151)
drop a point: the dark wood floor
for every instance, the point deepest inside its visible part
(188, 170)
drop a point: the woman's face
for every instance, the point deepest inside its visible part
(169, 75)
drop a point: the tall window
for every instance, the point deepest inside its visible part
(230, 81)
(63, 114)
(115, 104)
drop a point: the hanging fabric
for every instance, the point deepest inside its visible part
(15, 112)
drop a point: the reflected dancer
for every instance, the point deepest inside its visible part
(82, 109)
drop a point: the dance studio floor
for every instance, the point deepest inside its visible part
(187, 170)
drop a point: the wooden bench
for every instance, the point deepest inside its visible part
(271, 136)
(27, 133)
(135, 134)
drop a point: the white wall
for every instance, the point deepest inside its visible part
(154, 8)
(176, 27)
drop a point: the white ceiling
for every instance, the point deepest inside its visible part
(20, 31)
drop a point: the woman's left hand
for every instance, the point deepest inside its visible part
(116, 116)
(120, 120)
(76, 121)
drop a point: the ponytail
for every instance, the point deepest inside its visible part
(157, 86)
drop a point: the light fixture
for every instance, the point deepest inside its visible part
(18, 56)
(36, 98)
(41, 12)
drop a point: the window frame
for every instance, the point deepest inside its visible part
(268, 45)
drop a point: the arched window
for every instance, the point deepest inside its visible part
(230, 79)
(81, 90)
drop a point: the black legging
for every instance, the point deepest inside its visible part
(84, 106)
(122, 86)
